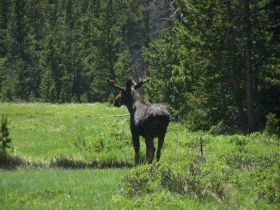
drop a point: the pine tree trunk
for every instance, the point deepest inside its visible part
(110, 39)
(248, 68)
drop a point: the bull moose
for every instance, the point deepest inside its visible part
(146, 119)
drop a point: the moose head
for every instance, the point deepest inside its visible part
(127, 95)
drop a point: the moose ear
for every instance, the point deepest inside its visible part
(112, 83)
(141, 82)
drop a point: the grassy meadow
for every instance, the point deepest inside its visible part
(80, 156)
(41, 188)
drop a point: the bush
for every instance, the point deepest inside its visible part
(173, 178)
(197, 120)
(5, 140)
(272, 125)
(220, 128)
(197, 178)
(270, 187)
(141, 180)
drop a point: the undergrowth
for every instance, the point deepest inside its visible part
(246, 174)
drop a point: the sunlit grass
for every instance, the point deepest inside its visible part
(101, 133)
(45, 131)
(28, 188)
(49, 137)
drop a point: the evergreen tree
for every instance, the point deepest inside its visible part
(213, 62)
(5, 140)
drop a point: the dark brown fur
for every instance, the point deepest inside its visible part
(146, 120)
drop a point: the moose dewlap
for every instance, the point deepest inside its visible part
(147, 120)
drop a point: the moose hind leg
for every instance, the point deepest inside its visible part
(136, 145)
(150, 149)
(160, 143)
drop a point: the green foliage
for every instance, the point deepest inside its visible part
(173, 178)
(193, 51)
(220, 128)
(199, 68)
(216, 181)
(5, 139)
(141, 180)
(64, 55)
(272, 125)
(270, 183)
(199, 179)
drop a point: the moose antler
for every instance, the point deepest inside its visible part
(141, 82)
(112, 83)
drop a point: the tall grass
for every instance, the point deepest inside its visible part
(235, 172)
(28, 188)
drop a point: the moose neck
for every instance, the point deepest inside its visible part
(136, 102)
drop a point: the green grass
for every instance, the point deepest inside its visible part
(28, 188)
(237, 172)
(44, 131)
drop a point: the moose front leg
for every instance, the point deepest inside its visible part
(136, 145)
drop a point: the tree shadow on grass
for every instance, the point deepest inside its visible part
(13, 162)
(68, 163)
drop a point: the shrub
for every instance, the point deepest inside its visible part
(272, 124)
(197, 178)
(197, 120)
(241, 160)
(270, 187)
(240, 143)
(5, 140)
(142, 179)
(173, 178)
(220, 128)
